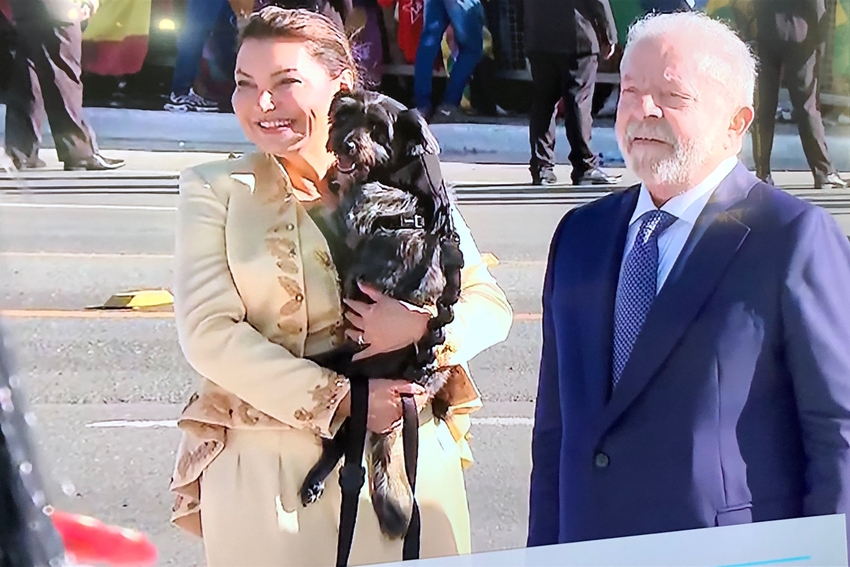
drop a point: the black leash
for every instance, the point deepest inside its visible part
(410, 439)
(352, 475)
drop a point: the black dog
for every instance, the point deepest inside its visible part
(392, 230)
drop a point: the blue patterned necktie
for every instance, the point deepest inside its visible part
(638, 287)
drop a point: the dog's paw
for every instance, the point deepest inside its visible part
(312, 492)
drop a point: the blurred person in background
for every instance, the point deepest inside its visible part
(466, 18)
(46, 74)
(198, 24)
(563, 41)
(27, 535)
(790, 35)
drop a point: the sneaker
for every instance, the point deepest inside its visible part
(192, 102)
(543, 177)
(446, 114)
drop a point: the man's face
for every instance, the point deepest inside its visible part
(671, 118)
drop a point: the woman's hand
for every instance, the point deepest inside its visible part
(385, 411)
(385, 325)
(385, 403)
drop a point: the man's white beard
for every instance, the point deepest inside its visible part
(677, 169)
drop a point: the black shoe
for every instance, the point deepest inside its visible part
(543, 177)
(95, 163)
(596, 176)
(832, 181)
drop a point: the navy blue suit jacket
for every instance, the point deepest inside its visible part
(735, 404)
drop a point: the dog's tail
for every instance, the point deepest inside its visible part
(392, 498)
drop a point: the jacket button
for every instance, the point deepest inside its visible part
(601, 460)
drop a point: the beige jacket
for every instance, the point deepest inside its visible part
(255, 291)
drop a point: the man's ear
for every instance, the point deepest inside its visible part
(742, 120)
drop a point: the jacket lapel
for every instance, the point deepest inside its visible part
(714, 241)
(601, 270)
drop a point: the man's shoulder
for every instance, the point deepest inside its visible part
(771, 207)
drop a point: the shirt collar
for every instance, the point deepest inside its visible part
(686, 206)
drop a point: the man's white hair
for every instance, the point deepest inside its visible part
(722, 54)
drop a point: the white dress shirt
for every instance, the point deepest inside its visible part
(687, 208)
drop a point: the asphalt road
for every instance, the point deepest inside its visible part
(105, 387)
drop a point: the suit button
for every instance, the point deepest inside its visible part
(601, 460)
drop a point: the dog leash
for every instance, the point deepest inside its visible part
(352, 475)
(410, 440)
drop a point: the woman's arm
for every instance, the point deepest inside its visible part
(215, 336)
(482, 315)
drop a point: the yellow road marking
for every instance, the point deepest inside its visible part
(92, 314)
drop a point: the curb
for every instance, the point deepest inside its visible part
(147, 130)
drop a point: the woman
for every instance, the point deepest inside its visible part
(256, 291)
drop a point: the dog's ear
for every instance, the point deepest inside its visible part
(342, 101)
(414, 135)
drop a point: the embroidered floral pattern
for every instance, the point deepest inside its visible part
(192, 458)
(444, 354)
(326, 397)
(302, 414)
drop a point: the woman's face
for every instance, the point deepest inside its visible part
(283, 96)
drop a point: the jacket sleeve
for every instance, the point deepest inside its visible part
(600, 14)
(215, 336)
(482, 315)
(544, 495)
(816, 318)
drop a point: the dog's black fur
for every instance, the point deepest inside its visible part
(392, 230)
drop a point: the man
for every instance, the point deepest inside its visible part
(791, 34)
(467, 20)
(695, 327)
(46, 75)
(563, 41)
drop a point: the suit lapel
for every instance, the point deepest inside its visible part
(714, 241)
(598, 291)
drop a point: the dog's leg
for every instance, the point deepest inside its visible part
(392, 498)
(332, 451)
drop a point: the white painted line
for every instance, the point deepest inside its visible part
(155, 424)
(88, 255)
(132, 424)
(87, 207)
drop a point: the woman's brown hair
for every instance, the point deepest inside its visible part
(326, 42)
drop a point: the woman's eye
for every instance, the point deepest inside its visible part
(244, 84)
(288, 81)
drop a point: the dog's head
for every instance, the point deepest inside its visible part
(361, 133)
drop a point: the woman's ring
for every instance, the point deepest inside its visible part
(360, 339)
